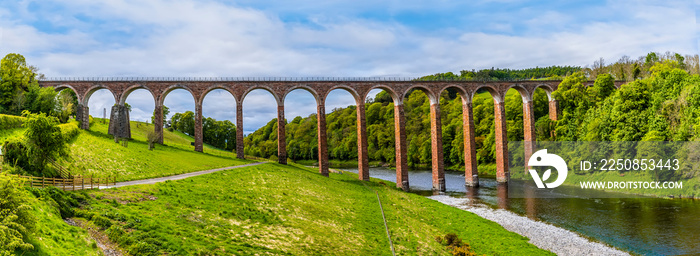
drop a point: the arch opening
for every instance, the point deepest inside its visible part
(140, 104)
(301, 140)
(219, 122)
(66, 104)
(100, 102)
(544, 125)
(379, 117)
(452, 115)
(483, 101)
(260, 124)
(422, 141)
(341, 127)
(181, 117)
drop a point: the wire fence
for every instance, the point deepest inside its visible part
(273, 79)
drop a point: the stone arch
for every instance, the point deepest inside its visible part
(263, 87)
(349, 89)
(130, 89)
(93, 89)
(495, 94)
(61, 87)
(525, 94)
(300, 87)
(160, 100)
(431, 95)
(216, 87)
(460, 90)
(546, 88)
(389, 89)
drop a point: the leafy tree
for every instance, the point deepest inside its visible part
(16, 76)
(67, 100)
(636, 71)
(220, 134)
(44, 140)
(166, 112)
(602, 88)
(41, 100)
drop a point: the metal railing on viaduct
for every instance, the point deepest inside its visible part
(319, 87)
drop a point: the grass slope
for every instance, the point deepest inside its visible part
(278, 209)
(94, 152)
(53, 236)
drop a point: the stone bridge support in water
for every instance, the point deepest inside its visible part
(359, 88)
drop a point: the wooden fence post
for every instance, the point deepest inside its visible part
(43, 180)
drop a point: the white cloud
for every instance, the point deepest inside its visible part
(192, 38)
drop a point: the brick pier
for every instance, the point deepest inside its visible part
(359, 88)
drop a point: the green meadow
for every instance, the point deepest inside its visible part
(264, 209)
(94, 152)
(278, 209)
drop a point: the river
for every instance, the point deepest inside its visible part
(647, 226)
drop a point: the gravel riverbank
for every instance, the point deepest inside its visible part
(542, 235)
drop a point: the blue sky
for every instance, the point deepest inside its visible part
(326, 38)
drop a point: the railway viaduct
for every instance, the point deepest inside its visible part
(320, 88)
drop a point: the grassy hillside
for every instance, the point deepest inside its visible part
(277, 209)
(177, 139)
(53, 236)
(94, 152)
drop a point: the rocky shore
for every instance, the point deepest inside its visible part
(542, 235)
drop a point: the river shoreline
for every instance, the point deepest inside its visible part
(542, 235)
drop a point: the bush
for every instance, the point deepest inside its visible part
(455, 245)
(15, 150)
(16, 220)
(69, 131)
(152, 139)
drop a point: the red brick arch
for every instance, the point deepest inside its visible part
(300, 87)
(319, 88)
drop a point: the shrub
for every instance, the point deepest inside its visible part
(455, 245)
(16, 220)
(15, 150)
(152, 139)
(69, 131)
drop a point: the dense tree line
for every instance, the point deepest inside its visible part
(220, 134)
(302, 138)
(553, 72)
(660, 104)
(663, 103)
(19, 91)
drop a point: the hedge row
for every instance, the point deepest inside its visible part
(11, 122)
(69, 130)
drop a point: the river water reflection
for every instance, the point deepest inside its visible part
(648, 226)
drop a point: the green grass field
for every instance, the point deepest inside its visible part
(277, 209)
(53, 236)
(94, 152)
